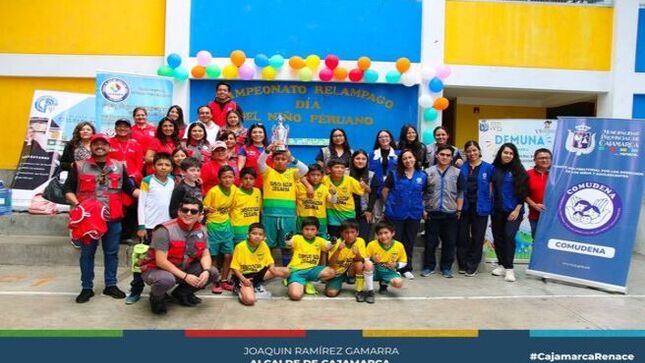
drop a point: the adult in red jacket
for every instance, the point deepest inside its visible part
(209, 171)
(143, 131)
(223, 103)
(179, 254)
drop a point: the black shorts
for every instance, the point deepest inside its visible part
(257, 278)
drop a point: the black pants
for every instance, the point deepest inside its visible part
(406, 233)
(440, 226)
(504, 232)
(364, 229)
(470, 240)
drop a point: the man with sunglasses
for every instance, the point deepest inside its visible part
(100, 178)
(179, 254)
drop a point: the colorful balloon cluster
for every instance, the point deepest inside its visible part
(432, 101)
(173, 68)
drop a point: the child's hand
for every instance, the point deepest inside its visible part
(369, 217)
(365, 187)
(246, 282)
(376, 259)
(332, 190)
(310, 191)
(341, 245)
(355, 250)
(142, 234)
(208, 210)
(391, 266)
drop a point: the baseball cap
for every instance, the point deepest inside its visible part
(219, 144)
(122, 121)
(96, 137)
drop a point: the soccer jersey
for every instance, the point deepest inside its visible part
(346, 256)
(221, 203)
(245, 210)
(306, 254)
(154, 200)
(248, 259)
(280, 192)
(312, 207)
(344, 208)
(394, 253)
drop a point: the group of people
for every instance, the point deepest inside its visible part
(215, 193)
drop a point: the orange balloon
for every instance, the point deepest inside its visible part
(198, 71)
(402, 65)
(364, 63)
(441, 103)
(296, 62)
(340, 73)
(238, 57)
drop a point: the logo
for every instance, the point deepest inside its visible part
(589, 208)
(581, 141)
(115, 90)
(483, 126)
(581, 248)
(45, 104)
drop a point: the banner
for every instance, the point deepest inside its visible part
(587, 233)
(52, 119)
(528, 135)
(118, 94)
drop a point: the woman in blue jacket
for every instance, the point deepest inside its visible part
(510, 188)
(382, 160)
(478, 205)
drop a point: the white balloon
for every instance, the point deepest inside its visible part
(409, 79)
(427, 73)
(426, 101)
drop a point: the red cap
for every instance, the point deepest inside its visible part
(96, 137)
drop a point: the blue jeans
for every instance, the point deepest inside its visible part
(110, 244)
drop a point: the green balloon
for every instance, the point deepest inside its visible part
(430, 114)
(392, 77)
(165, 70)
(213, 71)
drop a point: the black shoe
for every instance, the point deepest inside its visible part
(360, 296)
(157, 305)
(193, 299)
(182, 298)
(85, 296)
(382, 289)
(369, 298)
(114, 292)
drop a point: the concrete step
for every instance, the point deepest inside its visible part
(20, 224)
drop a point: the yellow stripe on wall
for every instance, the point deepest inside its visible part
(389, 333)
(16, 102)
(93, 27)
(528, 35)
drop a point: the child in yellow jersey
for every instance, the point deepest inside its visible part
(217, 205)
(305, 264)
(388, 255)
(345, 187)
(253, 264)
(247, 204)
(348, 258)
(316, 205)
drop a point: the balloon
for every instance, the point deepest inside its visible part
(402, 64)
(340, 73)
(425, 101)
(430, 114)
(427, 73)
(427, 137)
(312, 61)
(261, 60)
(443, 71)
(204, 58)
(435, 85)
(198, 71)
(180, 73)
(276, 61)
(230, 71)
(296, 62)
(409, 79)
(246, 72)
(174, 60)
(370, 75)
(441, 103)
(364, 63)
(326, 74)
(355, 75)
(392, 77)
(165, 70)
(238, 57)
(213, 71)
(268, 73)
(305, 74)
(331, 61)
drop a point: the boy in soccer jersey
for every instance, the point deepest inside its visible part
(247, 205)
(217, 205)
(316, 205)
(348, 258)
(387, 255)
(345, 187)
(252, 264)
(305, 265)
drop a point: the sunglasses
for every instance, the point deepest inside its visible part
(192, 211)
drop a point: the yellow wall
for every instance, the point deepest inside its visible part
(467, 121)
(16, 102)
(528, 35)
(115, 27)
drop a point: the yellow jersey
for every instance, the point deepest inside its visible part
(245, 210)
(312, 207)
(344, 207)
(306, 254)
(394, 253)
(247, 259)
(346, 256)
(279, 192)
(221, 202)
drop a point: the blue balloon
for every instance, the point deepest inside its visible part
(174, 60)
(435, 85)
(427, 136)
(180, 73)
(276, 61)
(370, 75)
(392, 77)
(261, 60)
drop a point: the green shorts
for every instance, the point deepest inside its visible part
(384, 274)
(337, 282)
(322, 231)
(276, 228)
(220, 238)
(305, 275)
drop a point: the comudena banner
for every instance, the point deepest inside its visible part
(587, 233)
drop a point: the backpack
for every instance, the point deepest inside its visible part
(40, 205)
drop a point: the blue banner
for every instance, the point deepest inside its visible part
(593, 199)
(117, 94)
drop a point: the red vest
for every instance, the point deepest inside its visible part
(219, 112)
(184, 246)
(105, 184)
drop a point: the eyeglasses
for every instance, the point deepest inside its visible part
(192, 211)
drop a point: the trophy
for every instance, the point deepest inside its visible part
(280, 134)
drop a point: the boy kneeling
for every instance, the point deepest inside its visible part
(388, 255)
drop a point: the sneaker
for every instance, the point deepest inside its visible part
(360, 296)
(261, 293)
(158, 305)
(447, 274)
(181, 298)
(369, 298)
(462, 271)
(193, 299)
(498, 271)
(132, 298)
(408, 275)
(509, 276)
(310, 289)
(427, 272)
(217, 288)
(114, 292)
(76, 244)
(226, 285)
(382, 289)
(470, 274)
(85, 296)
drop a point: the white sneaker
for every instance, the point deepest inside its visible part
(261, 293)
(499, 271)
(510, 276)
(408, 275)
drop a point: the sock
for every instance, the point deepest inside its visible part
(286, 258)
(360, 283)
(369, 283)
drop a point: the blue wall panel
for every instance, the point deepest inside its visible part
(638, 108)
(640, 42)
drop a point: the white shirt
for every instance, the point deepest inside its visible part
(211, 132)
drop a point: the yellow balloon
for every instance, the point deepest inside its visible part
(238, 57)
(296, 62)
(229, 71)
(268, 73)
(364, 63)
(312, 61)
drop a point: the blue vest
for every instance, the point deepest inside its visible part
(484, 197)
(405, 200)
(508, 198)
(375, 165)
